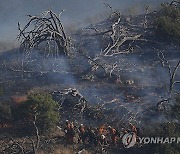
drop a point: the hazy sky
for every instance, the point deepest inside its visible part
(12, 11)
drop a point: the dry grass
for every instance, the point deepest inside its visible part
(19, 99)
(70, 151)
(59, 151)
(63, 151)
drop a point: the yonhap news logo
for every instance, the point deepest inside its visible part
(130, 139)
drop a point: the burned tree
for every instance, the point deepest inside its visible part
(121, 34)
(45, 28)
(171, 71)
(117, 36)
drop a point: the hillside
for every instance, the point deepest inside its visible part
(119, 68)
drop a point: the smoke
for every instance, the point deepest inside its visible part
(59, 71)
(12, 11)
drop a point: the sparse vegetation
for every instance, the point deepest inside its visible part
(165, 130)
(168, 21)
(169, 129)
(117, 80)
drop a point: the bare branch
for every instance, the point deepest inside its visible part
(174, 3)
(45, 28)
(172, 73)
(145, 17)
(37, 134)
(172, 82)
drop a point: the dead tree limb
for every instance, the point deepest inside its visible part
(98, 32)
(44, 28)
(37, 135)
(97, 64)
(92, 61)
(119, 36)
(172, 75)
(175, 3)
(145, 17)
(35, 145)
(172, 80)
(119, 43)
(112, 10)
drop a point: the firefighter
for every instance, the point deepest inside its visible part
(101, 130)
(71, 133)
(133, 128)
(96, 136)
(114, 134)
(91, 136)
(82, 134)
(67, 122)
(124, 131)
(101, 138)
(67, 130)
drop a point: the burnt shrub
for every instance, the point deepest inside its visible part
(168, 129)
(41, 106)
(167, 23)
(164, 130)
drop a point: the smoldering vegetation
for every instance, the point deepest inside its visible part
(112, 72)
(131, 83)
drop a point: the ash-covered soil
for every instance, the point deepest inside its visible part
(132, 90)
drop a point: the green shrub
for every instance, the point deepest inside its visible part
(168, 21)
(43, 107)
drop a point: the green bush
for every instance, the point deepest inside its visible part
(168, 21)
(43, 107)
